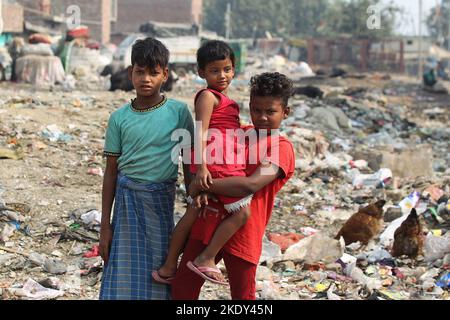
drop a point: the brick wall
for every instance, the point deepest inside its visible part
(133, 13)
(91, 12)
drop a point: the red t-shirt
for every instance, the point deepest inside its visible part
(246, 243)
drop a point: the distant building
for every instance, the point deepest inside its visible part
(118, 17)
(412, 52)
(12, 14)
(131, 14)
(96, 14)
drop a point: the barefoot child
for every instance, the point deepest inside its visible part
(140, 177)
(269, 97)
(213, 111)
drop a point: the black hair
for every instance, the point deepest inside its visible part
(214, 50)
(150, 53)
(272, 84)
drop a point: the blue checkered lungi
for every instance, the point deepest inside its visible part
(142, 225)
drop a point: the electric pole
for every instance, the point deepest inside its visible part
(228, 21)
(420, 40)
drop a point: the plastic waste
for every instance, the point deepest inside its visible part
(358, 275)
(270, 251)
(269, 290)
(304, 70)
(54, 134)
(96, 172)
(316, 248)
(444, 281)
(359, 164)
(285, 240)
(378, 255)
(34, 291)
(394, 295)
(387, 237)
(376, 180)
(54, 267)
(409, 202)
(331, 295)
(92, 218)
(436, 247)
(95, 252)
(308, 231)
(348, 259)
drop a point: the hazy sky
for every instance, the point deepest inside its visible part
(410, 19)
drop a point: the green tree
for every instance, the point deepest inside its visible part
(351, 16)
(307, 16)
(298, 18)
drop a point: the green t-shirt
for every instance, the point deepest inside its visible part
(142, 141)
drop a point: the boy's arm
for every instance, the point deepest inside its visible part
(187, 176)
(243, 186)
(108, 192)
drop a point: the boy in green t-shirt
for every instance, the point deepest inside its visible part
(140, 179)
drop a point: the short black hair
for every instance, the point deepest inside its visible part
(272, 84)
(214, 50)
(150, 53)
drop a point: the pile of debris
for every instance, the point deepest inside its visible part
(355, 146)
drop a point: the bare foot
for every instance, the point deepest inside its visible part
(210, 263)
(167, 271)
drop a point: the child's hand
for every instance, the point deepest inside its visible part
(203, 178)
(194, 189)
(202, 200)
(106, 235)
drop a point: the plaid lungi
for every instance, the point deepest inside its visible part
(142, 225)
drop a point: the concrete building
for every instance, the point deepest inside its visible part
(120, 17)
(96, 14)
(133, 13)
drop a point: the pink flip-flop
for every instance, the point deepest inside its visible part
(201, 272)
(159, 279)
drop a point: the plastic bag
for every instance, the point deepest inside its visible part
(436, 247)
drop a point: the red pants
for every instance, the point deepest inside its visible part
(241, 274)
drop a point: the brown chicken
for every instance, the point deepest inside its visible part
(408, 238)
(363, 225)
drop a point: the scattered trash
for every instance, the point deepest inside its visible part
(285, 240)
(436, 247)
(96, 171)
(32, 290)
(409, 202)
(54, 267)
(316, 248)
(54, 134)
(270, 251)
(95, 252)
(444, 281)
(356, 142)
(379, 179)
(358, 275)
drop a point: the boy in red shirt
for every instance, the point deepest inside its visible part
(269, 97)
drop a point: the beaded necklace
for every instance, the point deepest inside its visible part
(156, 106)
